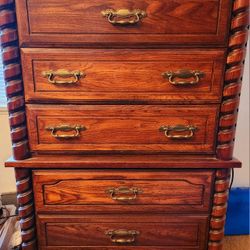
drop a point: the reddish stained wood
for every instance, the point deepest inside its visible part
(217, 223)
(8, 35)
(13, 87)
(227, 120)
(226, 135)
(28, 234)
(234, 73)
(218, 214)
(5, 2)
(10, 53)
(143, 67)
(14, 103)
(236, 56)
(232, 89)
(38, 26)
(221, 185)
(221, 198)
(27, 223)
(7, 17)
(17, 118)
(122, 161)
(225, 151)
(18, 133)
(88, 191)
(11, 70)
(156, 232)
(230, 105)
(26, 208)
(25, 198)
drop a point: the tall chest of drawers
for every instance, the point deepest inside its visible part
(122, 118)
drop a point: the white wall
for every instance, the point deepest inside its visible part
(242, 177)
(7, 182)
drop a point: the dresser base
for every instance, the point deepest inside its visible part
(36, 235)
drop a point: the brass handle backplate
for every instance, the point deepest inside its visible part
(124, 16)
(195, 75)
(122, 236)
(124, 193)
(66, 128)
(67, 76)
(176, 132)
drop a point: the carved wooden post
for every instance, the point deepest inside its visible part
(13, 79)
(233, 78)
(219, 209)
(26, 208)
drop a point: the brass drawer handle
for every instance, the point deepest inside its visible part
(51, 76)
(124, 16)
(123, 193)
(170, 131)
(66, 128)
(122, 236)
(184, 74)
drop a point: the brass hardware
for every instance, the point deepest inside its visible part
(123, 236)
(66, 128)
(124, 193)
(124, 16)
(179, 129)
(62, 73)
(184, 74)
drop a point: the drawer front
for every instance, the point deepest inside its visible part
(123, 232)
(122, 191)
(59, 75)
(124, 128)
(144, 21)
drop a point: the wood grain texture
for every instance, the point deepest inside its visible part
(123, 76)
(122, 161)
(236, 242)
(26, 208)
(219, 209)
(233, 78)
(155, 232)
(69, 23)
(134, 128)
(88, 191)
(13, 79)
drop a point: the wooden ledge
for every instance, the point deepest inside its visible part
(122, 161)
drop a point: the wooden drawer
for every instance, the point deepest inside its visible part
(122, 128)
(122, 191)
(166, 22)
(138, 232)
(123, 75)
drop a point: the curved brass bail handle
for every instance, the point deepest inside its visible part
(76, 128)
(125, 15)
(184, 74)
(122, 193)
(123, 236)
(51, 75)
(178, 128)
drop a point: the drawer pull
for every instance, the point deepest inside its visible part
(124, 16)
(122, 236)
(124, 193)
(171, 130)
(51, 76)
(184, 74)
(66, 128)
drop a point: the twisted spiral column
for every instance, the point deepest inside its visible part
(26, 208)
(13, 79)
(233, 78)
(219, 209)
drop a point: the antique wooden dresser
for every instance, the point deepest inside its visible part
(122, 116)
